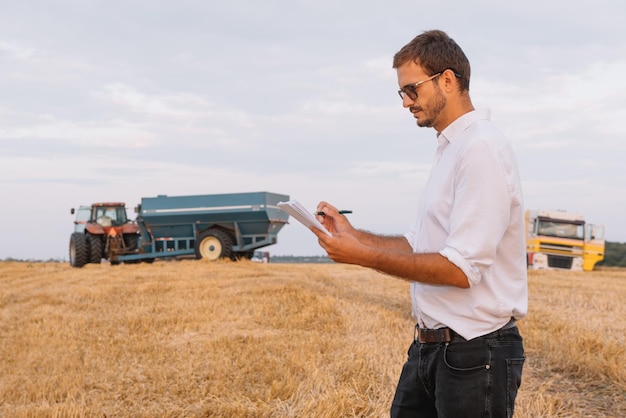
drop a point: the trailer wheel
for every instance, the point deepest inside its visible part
(79, 250)
(214, 244)
(95, 248)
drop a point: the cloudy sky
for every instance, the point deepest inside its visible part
(119, 100)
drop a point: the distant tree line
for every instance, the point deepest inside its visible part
(614, 255)
(32, 260)
(300, 259)
(273, 259)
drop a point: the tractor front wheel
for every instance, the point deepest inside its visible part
(79, 250)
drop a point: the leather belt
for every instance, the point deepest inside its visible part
(425, 335)
(445, 335)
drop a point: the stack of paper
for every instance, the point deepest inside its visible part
(295, 209)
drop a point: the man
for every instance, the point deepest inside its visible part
(465, 255)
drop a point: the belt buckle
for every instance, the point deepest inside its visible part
(425, 335)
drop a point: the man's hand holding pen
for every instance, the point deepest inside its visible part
(342, 246)
(341, 212)
(328, 215)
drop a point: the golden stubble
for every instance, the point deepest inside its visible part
(200, 339)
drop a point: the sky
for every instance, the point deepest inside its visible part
(118, 100)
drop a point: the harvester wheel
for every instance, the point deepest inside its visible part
(95, 248)
(79, 250)
(214, 244)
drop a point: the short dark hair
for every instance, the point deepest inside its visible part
(435, 51)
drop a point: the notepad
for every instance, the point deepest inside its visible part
(306, 218)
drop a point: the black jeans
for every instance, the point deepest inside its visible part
(461, 379)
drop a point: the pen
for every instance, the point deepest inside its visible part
(341, 212)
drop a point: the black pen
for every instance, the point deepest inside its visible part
(341, 212)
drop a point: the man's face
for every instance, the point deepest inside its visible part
(430, 101)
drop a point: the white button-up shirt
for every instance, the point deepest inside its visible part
(471, 212)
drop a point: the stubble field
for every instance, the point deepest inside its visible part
(199, 339)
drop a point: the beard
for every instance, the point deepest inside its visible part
(432, 110)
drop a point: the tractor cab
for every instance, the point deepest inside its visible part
(103, 214)
(109, 214)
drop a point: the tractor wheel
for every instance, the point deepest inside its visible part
(214, 244)
(79, 250)
(95, 248)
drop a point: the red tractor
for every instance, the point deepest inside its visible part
(101, 230)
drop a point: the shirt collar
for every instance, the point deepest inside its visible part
(455, 129)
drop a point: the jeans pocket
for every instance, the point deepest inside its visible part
(467, 357)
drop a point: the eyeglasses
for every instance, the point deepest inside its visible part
(411, 89)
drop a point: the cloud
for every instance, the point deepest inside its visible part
(175, 105)
(15, 50)
(395, 168)
(554, 110)
(114, 133)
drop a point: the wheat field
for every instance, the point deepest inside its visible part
(241, 339)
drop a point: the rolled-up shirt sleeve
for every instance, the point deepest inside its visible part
(472, 273)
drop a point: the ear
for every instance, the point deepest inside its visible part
(450, 81)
